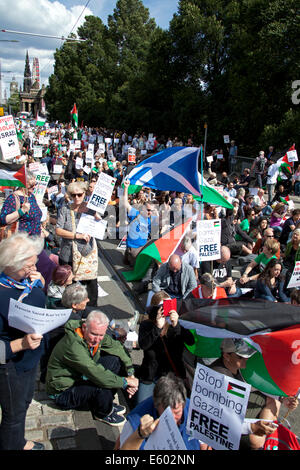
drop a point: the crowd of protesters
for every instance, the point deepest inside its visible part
(260, 245)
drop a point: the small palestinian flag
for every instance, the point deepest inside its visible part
(40, 121)
(74, 114)
(236, 390)
(217, 223)
(12, 176)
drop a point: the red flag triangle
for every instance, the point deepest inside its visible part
(21, 175)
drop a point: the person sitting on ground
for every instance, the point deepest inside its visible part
(245, 224)
(270, 284)
(188, 254)
(268, 233)
(162, 343)
(143, 419)
(244, 181)
(291, 255)
(84, 367)
(235, 353)
(269, 251)
(276, 220)
(208, 288)
(176, 278)
(289, 226)
(281, 193)
(295, 297)
(62, 277)
(75, 297)
(222, 272)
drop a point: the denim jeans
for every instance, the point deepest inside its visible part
(85, 395)
(297, 188)
(144, 391)
(16, 392)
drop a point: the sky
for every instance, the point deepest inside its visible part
(53, 18)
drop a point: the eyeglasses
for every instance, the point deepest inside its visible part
(77, 195)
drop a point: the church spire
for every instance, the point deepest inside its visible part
(27, 76)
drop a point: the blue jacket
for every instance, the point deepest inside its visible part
(147, 407)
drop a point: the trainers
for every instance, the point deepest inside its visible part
(119, 409)
(113, 419)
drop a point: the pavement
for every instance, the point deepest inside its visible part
(77, 430)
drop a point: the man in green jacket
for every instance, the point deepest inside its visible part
(83, 369)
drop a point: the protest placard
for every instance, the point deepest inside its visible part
(95, 228)
(31, 319)
(292, 156)
(9, 143)
(57, 169)
(102, 193)
(226, 139)
(209, 239)
(37, 151)
(217, 409)
(52, 190)
(77, 144)
(89, 157)
(166, 436)
(41, 183)
(131, 155)
(295, 277)
(79, 163)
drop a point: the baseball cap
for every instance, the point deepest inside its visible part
(237, 346)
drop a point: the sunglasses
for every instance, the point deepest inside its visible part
(77, 195)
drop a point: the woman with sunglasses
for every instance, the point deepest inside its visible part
(67, 218)
(21, 209)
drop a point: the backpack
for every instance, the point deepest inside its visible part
(260, 165)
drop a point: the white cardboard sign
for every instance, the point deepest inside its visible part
(217, 409)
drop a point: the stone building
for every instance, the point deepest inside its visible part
(31, 98)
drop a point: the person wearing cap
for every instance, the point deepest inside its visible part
(235, 353)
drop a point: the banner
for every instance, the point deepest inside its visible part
(217, 409)
(9, 143)
(209, 239)
(102, 193)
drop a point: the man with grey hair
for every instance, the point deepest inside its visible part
(143, 419)
(86, 367)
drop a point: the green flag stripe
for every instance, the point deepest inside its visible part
(258, 376)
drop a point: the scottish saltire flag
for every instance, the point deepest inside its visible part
(173, 169)
(271, 329)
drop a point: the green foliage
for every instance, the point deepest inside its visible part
(230, 63)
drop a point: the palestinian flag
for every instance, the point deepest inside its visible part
(74, 114)
(271, 329)
(211, 196)
(12, 175)
(236, 390)
(40, 121)
(285, 167)
(159, 250)
(20, 134)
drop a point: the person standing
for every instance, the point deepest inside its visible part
(19, 280)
